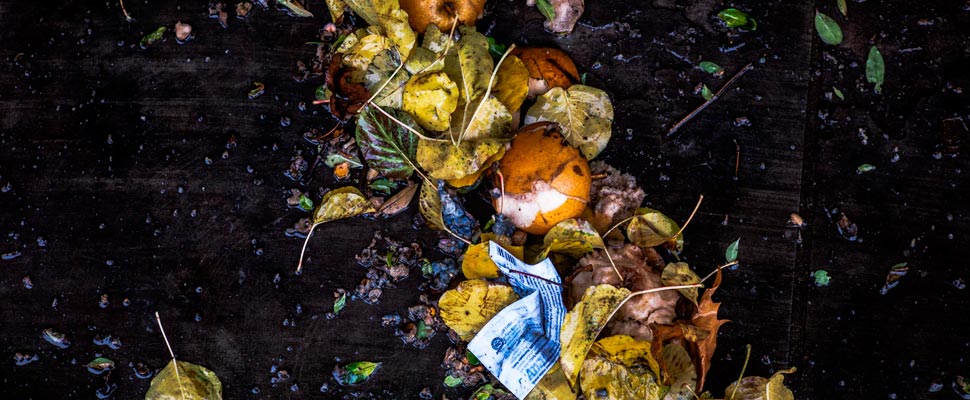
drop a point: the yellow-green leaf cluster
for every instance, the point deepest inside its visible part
(584, 113)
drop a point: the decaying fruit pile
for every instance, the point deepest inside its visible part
(438, 105)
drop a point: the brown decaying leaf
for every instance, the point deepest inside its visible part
(548, 68)
(442, 13)
(398, 202)
(348, 97)
(706, 319)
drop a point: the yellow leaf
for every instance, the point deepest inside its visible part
(442, 160)
(394, 21)
(679, 273)
(336, 8)
(430, 99)
(429, 205)
(467, 308)
(552, 386)
(680, 372)
(758, 388)
(423, 60)
(511, 83)
(573, 237)
(365, 9)
(362, 52)
(627, 351)
(471, 67)
(342, 203)
(584, 114)
(477, 263)
(651, 228)
(434, 39)
(604, 379)
(379, 71)
(491, 120)
(470, 179)
(193, 382)
(583, 324)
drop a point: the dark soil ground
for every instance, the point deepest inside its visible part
(107, 191)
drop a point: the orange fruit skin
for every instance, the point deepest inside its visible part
(442, 13)
(549, 64)
(539, 154)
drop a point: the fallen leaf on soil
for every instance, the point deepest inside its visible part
(680, 373)
(584, 323)
(759, 388)
(342, 203)
(398, 202)
(706, 319)
(584, 114)
(443, 160)
(193, 382)
(355, 372)
(471, 67)
(553, 386)
(467, 308)
(573, 237)
(478, 264)
(627, 351)
(431, 98)
(567, 12)
(485, 119)
(604, 379)
(679, 273)
(394, 21)
(651, 228)
(386, 146)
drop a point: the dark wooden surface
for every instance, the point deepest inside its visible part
(98, 136)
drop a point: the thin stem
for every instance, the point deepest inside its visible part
(536, 276)
(488, 91)
(743, 368)
(714, 98)
(501, 180)
(613, 264)
(172, 353)
(737, 159)
(381, 88)
(730, 264)
(648, 291)
(128, 17)
(405, 126)
(451, 36)
(299, 266)
(691, 217)
(625, 220)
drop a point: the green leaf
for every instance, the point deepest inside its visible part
(875, 68)
(340, 303)
(388, 147)
(865, 168)
(710, 67)
(100, 365)
(828, 30)
(545, 7)
(706, 93)
(584, 114)
(843, 8)
(355, 372)
(731, 254)
(838, 93)
(342, 203)
(334, 159)
(295, 8)
(822, 277)
(306, 203)
(735, 18)
(193, 382)
(679, 273)
(423, 330)
(321, 93)
(153, 37)
(495, 48)
(452, 381)
(574, 237)
(651, 228)
(472, 360)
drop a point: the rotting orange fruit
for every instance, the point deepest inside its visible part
(546, 181)
(442, 13)
(548, 68)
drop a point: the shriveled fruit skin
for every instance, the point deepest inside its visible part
(442, 13)
(546, 181)
(548, 68)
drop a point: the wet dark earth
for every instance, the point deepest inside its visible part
(135, 181)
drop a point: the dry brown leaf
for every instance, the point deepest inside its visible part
(706, 319)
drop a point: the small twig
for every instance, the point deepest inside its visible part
(410, 129)
(598, 176)
(743, 368)
(613, 264)
(299, 265)
(319, 102)
(381, 88)
(628, 219)
(717, 95)
(691, 217)
(730, 264)
(536, 276)
(128, 17)
(172, 353)
(648, 291)
(737, 159)
(501, 181)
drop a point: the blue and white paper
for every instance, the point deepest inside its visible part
(521, 343)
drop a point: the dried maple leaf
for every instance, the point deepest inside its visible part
(706, 319)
